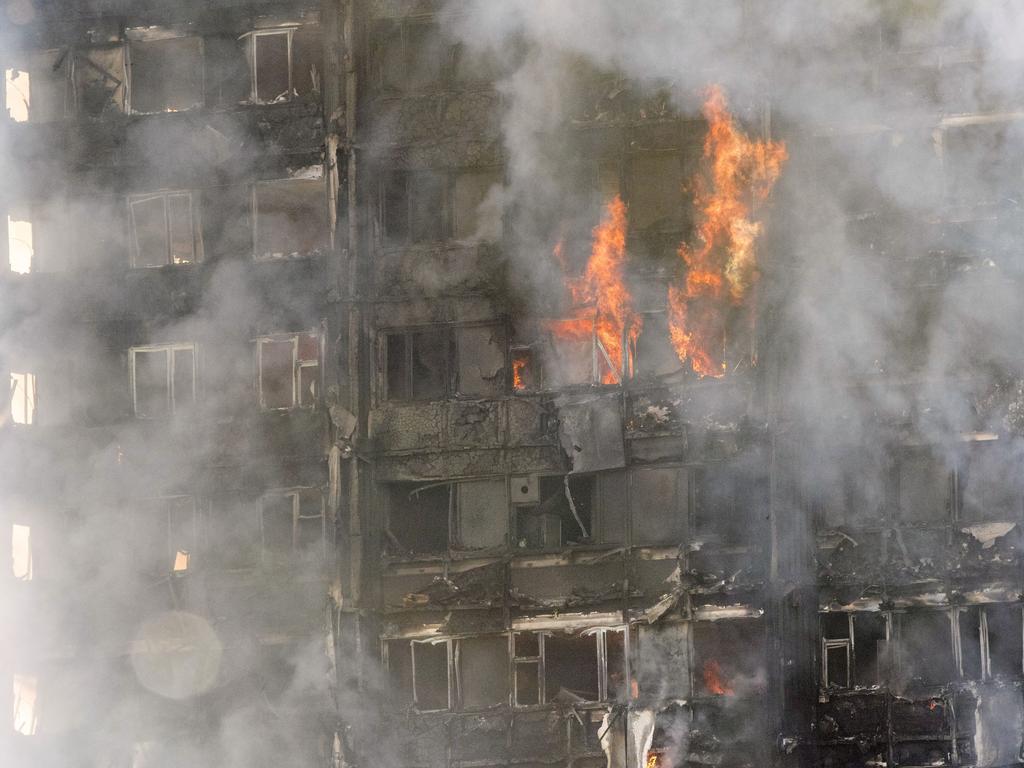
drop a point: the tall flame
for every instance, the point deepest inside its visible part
(713, 679)
(722, 268)
(602, 286)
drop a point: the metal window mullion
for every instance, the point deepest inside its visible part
(291, 87)
(415, 692)
(259, 372)
(167, 227)
(602, 665)
(986, 659)
(953, 618)
(169, 351)
(454, 674)
(255, 90)
(295, 370)
(542, 694)
(295, 518)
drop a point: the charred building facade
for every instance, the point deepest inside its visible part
(423, 384)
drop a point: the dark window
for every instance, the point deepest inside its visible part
(418, 517)
(725, 657)
(570, 668)
(99, 79)
(418, 364)
(293, 526)
(926, 651)
(235, 531)
(659, 500)
(167, 75)
(272, 65)
(1004, 633)
(226, 71)
(554, 511)
(164, 534)
(924, 484)
(290, 217)
(990, 484)
(163, 230)
(655, 355)
(970, 625)
(415, 207)
(411, 57)
(151, 383)
(400, 671)
(869, 648)
(527, 668)
(731, 500)
(484, 671)
(656, 200)
(289, 370)
(430, 678)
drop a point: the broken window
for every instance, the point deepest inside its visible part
(417, 364)
(414, 207)
(924, 487)
(23, 398)
(655, 185)
(226, 70)
(659, 500)
(165, 229)
(849, 489)
(723, 661)
(290, 217)
(481, 513)
(289, 370)
(21, 552)
(926, 648)
(476, 205)
(36, 88)
(483, 671)
(970, 625)
(418, 517)
(553, 511)
(25, 692)
(20, 243)
(293, 525)
(284, 63)
(99, 79)
(730, 499)
(167, 75)
(655, 355)
(528, 683)
(419, 673)
(989, 484)
(1003, 638)
(412, 57)
(562, 667)
(853, 646)
(163, 379)
(480, 352)
(165, 534)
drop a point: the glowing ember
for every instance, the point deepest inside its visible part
(722, 268)
(653, 758)
(602, 287)
(714, 681)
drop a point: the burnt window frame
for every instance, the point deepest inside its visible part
(199, 103)
(594, 504)
(252, 51)
(80, 57)
(298, 364)
(826, 643)
(296, 552)
(24, 385)
(410, 645)
(168, 349)
(62, 63)
(410, 177)
(539, 662)
(254, 214)
(449, 334)
(195, 226)
(168, 527)
(984, 641)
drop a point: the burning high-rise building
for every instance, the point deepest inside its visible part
(411, 383)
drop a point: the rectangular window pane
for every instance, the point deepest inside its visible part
(481, 352)
(21, 552)
(184, 378)
(309, 347)
(276, 373)
(395, 202)
(483, 513)
(167, 75)
(427, 215)
(923, 488)
(570, 667)
(658, 498)
(429, 364)
(484, 671)
(397, 367)
(181, 531)
(291, 218)
(527, 683)
(400, 671)
(17, 92)
(151, 396)
(100, 80)
(271, 66)
(970, 642)
(309, 383)
(23, 398)
(20, 245)
(1004, 640)
(24, 697)
(837, 664)
(309, 536)
(869, 644)
(431, 665)
(150, 224)
(182, 240)
(926, 647)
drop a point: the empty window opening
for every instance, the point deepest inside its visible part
(290, 218)
(924, 485)
(725, 662)
(853, 646)
(1003, 640)
(561, 667)
(417, 364)
(234, 530)
(36, 89)
(571, 670)
(25, 692)
(164, 230)
(553, 511)
(476, 205)
(655, 186)
(99, 80)
(21, 552)
(419, 673)
(730, 499)
(926, 647)
(284, 63)
(415, 207)
(418, 517)
(412, 57)
(167, 75)
(525, 370)
(294, 526)
(163, 379)
(20, 244)
(655, 355)
(528, 683)
(659, 499)
(289, 370)
(483, 671)
(23, 398)
(165, 534)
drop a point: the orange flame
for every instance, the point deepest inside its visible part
(602, 286)
(653, 759)
(713, 679)
(723, 268)
(518, 369)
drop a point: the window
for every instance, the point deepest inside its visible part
(235, 531)
(167, 75)
(476, 205)
(20, 249)
(290, 218)
(989, 484)
(36, 89)
(924, 487)
(289, 370)
(21, 552)
(659, 499)
(853, 648)
(553, 511)
(25, 691)
(655, 186)
(990, 641)
(414, 207)
(431, 364)
(926, 647)
(99, 78)
(412, 57)
(163, 379)
(465, 515)
(284, 63)
(724, 660)
(293, 526)
(557, 666)
(23, 398)
(730, 500)
(165, 534)
(482, 671)
(164, 230)
(419, 672)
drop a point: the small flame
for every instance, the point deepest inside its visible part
(602, 286)
(653, 759)
(713, 679)
(721, 270)
(518, 368)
